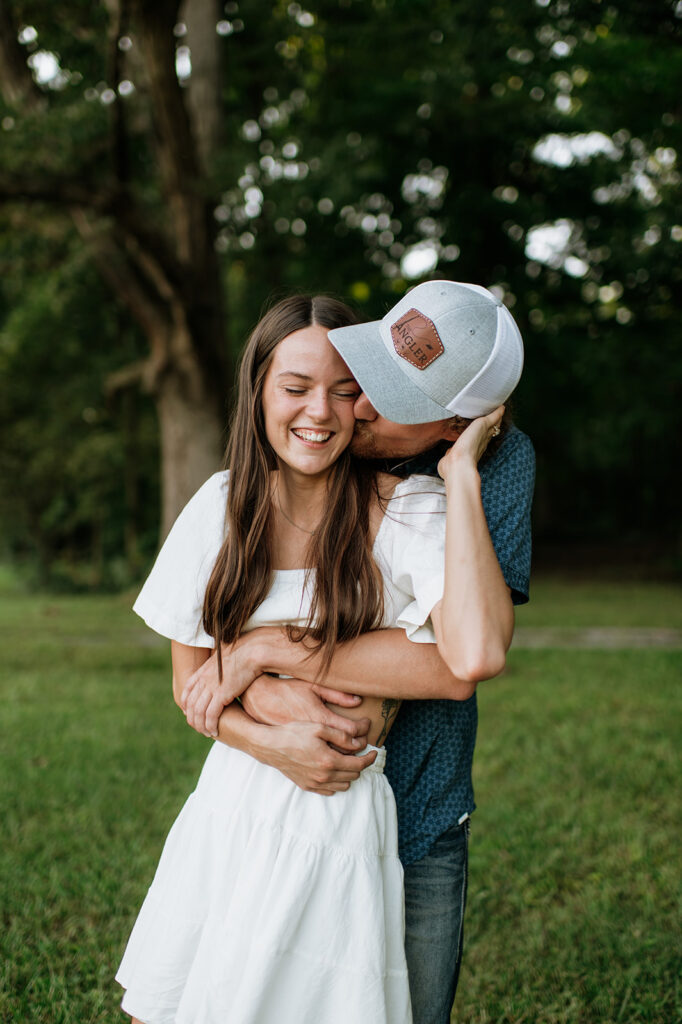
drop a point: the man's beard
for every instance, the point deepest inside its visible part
(363, 443)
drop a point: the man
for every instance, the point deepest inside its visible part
(446, 353)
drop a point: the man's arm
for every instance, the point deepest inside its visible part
(383, 663)
(474, 622)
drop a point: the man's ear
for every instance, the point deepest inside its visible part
(453, 427)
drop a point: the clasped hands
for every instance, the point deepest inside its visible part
(306, 740)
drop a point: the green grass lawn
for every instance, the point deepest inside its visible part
(573, 903)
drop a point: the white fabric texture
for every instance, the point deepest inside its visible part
(409, 550)
(271, 905)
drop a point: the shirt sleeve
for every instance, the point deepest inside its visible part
(415, 555)
(171, 600)
(507, 482)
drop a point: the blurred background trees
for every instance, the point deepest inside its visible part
(166, 168)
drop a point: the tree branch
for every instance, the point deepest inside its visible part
(64, 192)
(128, 376)
(16, 81)
(118, 15)
(70, 194)
(176, 149)
(113, 265)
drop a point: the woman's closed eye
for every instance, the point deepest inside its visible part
(352, 395)
(347, 395)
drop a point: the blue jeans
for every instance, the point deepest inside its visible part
(435, 896)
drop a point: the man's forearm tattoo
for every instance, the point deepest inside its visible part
(389, 709)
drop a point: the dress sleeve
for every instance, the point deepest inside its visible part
(172, 597)
(414, 554)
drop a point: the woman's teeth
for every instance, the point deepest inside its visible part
(312, 435)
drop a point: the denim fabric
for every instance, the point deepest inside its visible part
(435, 897)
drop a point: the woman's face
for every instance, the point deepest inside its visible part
(308, 398)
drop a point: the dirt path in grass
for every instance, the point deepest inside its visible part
(611, 638)
(598, 638)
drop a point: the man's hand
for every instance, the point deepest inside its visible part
(204, 696)
(273, 701)
(303, 752)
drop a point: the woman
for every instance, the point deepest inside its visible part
(271, 904)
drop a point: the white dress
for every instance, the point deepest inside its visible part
(271, 905)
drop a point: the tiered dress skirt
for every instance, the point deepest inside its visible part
(271, 905)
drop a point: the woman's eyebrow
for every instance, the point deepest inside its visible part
(304, 376)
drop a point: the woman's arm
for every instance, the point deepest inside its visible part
(185, 661)
(474, 621)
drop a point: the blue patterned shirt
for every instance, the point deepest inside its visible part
(430, 748)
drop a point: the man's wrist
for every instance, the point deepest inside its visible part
(271, 652)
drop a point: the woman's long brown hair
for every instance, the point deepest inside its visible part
(347, 592)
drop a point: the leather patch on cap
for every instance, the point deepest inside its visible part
(416, 339)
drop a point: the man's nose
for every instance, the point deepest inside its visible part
(363, 408)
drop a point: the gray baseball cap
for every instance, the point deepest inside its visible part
(446, 349)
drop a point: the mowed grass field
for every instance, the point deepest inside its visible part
(573, 912)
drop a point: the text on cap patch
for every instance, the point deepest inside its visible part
(416, 339)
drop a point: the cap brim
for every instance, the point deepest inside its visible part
(391, 393)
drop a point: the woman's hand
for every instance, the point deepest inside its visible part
(472, 442)
(204, 695)
(204, 698)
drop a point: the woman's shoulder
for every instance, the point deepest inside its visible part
(386, 484)
(415, 487)
(419, 491)
(414, 509)
(213, 490)
(205, 510)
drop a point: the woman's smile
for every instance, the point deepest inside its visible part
(312, 437)
(308, 398)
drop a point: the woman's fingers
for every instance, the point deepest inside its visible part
(473, 441)
(214, 710)
(196, 710)
(186, 693)
(339, 697)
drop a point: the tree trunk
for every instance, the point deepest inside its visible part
(191, 428)
(169, 277)
(192, 440)
(203, 89)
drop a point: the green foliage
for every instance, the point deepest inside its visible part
(77, 469)
(358, 134)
